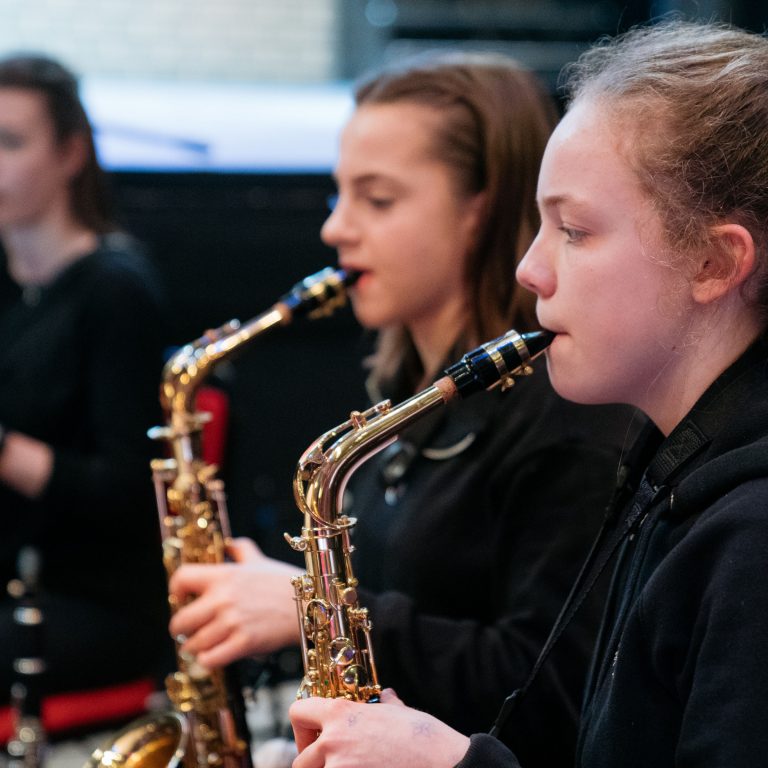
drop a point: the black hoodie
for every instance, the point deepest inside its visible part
(678, 677)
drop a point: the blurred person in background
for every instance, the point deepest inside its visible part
(81, 339)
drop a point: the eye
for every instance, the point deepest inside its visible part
(380, 203)
(573, 236)
(10, 140)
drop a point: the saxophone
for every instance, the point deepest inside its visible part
(335, 630)
(206, 727)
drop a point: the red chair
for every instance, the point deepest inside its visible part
(87, 710)
(97, 708)
(216, 402)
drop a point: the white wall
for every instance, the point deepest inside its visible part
(246, 40)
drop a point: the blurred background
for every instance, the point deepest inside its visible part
(218, 123)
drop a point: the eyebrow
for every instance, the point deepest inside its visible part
(364, 179)
(552, 201)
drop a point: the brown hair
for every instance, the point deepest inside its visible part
(59, 88)
(495, 121)
(705, 88)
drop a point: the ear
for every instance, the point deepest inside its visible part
(474, 214)
(729, 262)
(74, 152)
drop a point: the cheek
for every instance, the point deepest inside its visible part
(29, 177)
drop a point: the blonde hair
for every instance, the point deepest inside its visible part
(704, 89)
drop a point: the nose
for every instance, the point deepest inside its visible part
(534, 271)
(337, 229)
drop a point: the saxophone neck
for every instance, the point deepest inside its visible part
(328, 463)
(318, 295)
(325, 467)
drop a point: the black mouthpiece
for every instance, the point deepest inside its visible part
(328, 286)
(500, 359)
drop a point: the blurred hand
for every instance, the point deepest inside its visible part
(335, 733)
(239, 609)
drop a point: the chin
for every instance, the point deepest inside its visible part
(369, 320)
(563, 380)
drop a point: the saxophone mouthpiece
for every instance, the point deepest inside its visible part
(349, 276)
(498, 361)
(319, 294)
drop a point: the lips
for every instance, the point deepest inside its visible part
(364, 274)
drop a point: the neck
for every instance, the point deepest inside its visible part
(37, 252)
(434, 337)
(709, 352)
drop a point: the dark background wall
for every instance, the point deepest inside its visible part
(228, 246)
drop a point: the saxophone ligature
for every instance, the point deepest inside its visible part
(334, 629)
(206, 727)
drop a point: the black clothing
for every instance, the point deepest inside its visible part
(470, 532)
(80, 363)
(677, 678)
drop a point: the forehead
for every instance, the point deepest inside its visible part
(587, 155)
(22, 107)
(398, 133)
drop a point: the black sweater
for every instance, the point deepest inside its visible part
(678, 677)
(470, 532)
(80, 365)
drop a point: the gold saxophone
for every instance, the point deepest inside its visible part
(335, 630)
(206, 727)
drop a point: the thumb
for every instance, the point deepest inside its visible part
(388, 696)
(243, 549)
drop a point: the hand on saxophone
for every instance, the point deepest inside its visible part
(336, 732)
(238, 609)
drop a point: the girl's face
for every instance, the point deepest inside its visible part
(401, 221)
(597, 268)
(34, 170)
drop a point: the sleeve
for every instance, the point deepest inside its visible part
(486, 752)
(461, 670)
(123, 329)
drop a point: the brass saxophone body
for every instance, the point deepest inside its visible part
(335, 630)
(206, 728)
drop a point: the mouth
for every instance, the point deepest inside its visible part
(362, 273)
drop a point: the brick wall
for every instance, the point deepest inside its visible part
(276, 40)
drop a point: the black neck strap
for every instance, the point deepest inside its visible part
(610, 537)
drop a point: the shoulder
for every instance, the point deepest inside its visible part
(119, 270)
(736, 520)
(716, 555)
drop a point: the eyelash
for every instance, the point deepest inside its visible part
(380, 203)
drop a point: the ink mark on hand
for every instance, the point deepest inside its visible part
(422, 728)
(352, 720)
